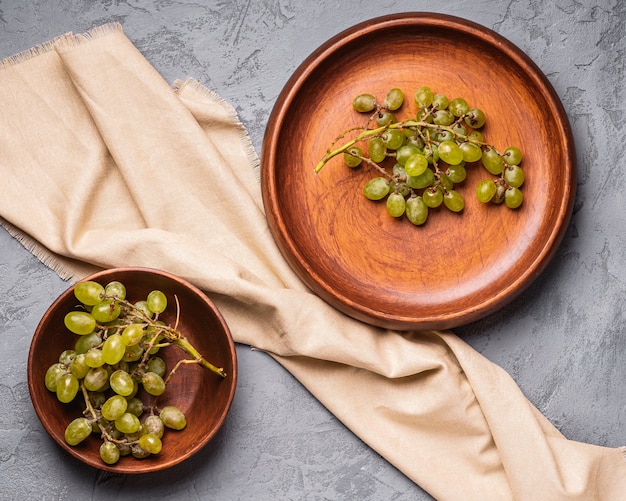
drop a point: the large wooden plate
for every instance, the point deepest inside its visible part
(458, 267)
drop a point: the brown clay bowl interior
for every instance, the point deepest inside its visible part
(204, 397)
(457, 268)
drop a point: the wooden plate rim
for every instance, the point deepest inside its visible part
(280, 230)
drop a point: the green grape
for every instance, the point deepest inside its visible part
(150, 443)
(400, 187)
(443, 117)
(376, 188)
(424, 96)
(398, 170)
(498, 198)
(445, 181)
(98, 426)
(88, 292)
(114, 407)
(456, 173)
(514, 176)
(133, 353)
(173, 417)
(350, 158)
(52, 375)
(486, 190)
(377, 149)
(138, 452)
(157, 365)
(109, 452)
(450, 152)
(135, 406)
(394, 99)
(79, 366)
(492, 161)
(142, 306)
(84, 343)
(476, 136)
(512, 155)
(153, 383)
(364, 103)
(453, 201)
(424, 180)
(432, 197)
(132, 334)
(80, 322)
(125, 449)
(113, 349)
(413, 139)
(440, 101)
(97, 398)
(67, 387)
(97, 379)
(67, 356)
(116, 289)
(471, 152)
(423, 115)
(106, 311)
(405, 152)
(94, 358)
(458, 107)
(385, 118)
(135, 389)
(122, 383)
(154, 425)
(433, 156)
(459, 129)
(442, 135)
(416, 210)
(393, 138)
(151, 340)
(127, 423)
(513, 198)
(416, 165)
(121, 365)
(77, 431)
(475, 118)
(395, 204)
(134, 436)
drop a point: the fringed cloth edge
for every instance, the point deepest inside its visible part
(43, 254)
(66, 40)
(195, 85)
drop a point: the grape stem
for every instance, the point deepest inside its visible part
(186, 346)
(368, 133)
(171, 334)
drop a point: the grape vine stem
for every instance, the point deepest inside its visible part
(172, 335)
(367, 133)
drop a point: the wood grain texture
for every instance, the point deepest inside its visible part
(204, 397)
(457, 268)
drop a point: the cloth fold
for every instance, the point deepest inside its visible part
(106, 165)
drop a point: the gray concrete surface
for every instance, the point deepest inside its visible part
(562, 340)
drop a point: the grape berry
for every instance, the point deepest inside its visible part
(418, 161)
(116, 367)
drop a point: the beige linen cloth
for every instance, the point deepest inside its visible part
(103, 164)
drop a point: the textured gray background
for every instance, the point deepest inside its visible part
(562, 340)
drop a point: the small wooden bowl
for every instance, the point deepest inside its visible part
(203, 396)
(456, 268)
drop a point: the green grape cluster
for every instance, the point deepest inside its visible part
(115, 364)
(420, 161)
